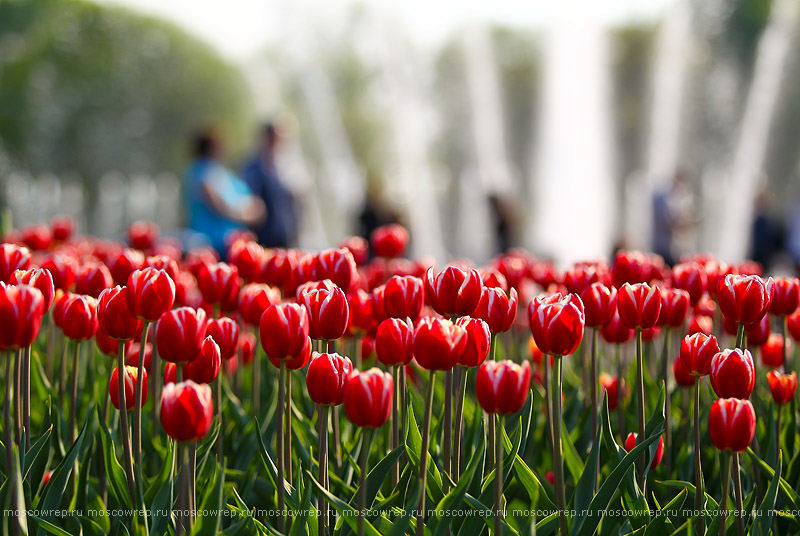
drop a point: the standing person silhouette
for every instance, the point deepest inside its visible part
(279, 228)
(217, 201)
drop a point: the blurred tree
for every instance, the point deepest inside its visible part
(87, 89)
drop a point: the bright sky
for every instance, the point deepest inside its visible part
(238, 28)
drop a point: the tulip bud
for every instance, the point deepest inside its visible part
(254, 300)
(247, 256)
(782, 386)
(37, 237)
(697, 351)
(358, 247)
(219, 284)
(683, 377)
(497, 309)
(630, 267)
(187, 410)
(328, 313)
(453, 291)
(109, 346)
(368, 348)
(557, 327)
(787, 296)
(132, 355)
(700, 324)
(21, 311)
(757, 334)
(361, 321)
(502, 386)
(615, 332)
(478, 341)
(733, 374)
(114, 318)
(326, 378)
(598, 303)
(772, 351)
(123, 264)
(394, 342)
(368, 398)
(389, 241)
(205, 367)
(40, 279)
(13, 258)
(674, 307)
(130, 386)
(579, 278)
(339, 266)
(63, 227)
(284, 331)
(62, 267)
(692, 278)
(92, 279)
(180, 334)
(77, 316)
(793, 325)
(403, 297)
(247, 347)
(630, 443)
(438, 343)
(225, 333)
(279, 268)
(143, 234)
(151, 293)
(378, 304)
(732, 424)
(745, 298)
(493, 279)
(611, 384)
(639, 305)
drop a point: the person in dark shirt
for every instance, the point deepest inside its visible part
(279, 229)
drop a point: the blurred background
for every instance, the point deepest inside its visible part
(569, 128)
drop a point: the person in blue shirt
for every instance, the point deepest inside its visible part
(217, 201)
(279, 228)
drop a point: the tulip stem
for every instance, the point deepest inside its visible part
(220, 434)
(491, 428)
(423, 454)
(73, 395)
(256, 375)
(448, 427)
(558, 463)
(740, 336)
(594, 384)
(8, 423)
(498, 476)
(279, 441)
(137, 406)
(778, 408)
(620, 394)
(665, 378)
(156, 379)
(26, 396)
(726, 486)
(395, 423)
(322, 504)
(362, 488)
(62, 381)
(123, 422)
(737, 492)
(287, 438)
(17, 399)
(640, 386)
(698, 469)
(459, 455)
(192, 495)
(548, 409)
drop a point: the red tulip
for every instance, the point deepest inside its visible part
(700, 324)
(163, 262)
(782, 386)
(21, 311)
(692, 278)
(793, 325)
(745, 298)
(453, 291)
(219, 284)
(361, 320)
(248, 257)
(63, 268)
(368, 398)
(205, 367)
(114, 318)
(37, 237)
(123, 264)
(328, 313)
(630, 443)
(339, 266)
(377, 297)
(394, 342)
(187, 410)
(279, 268)
(697, 351)
(254, 300)
(757, 334)
(308, 286)
(367, 347)
(326, 378)
(733, 374)
(493, 279)
(130, 386)
(674, 307)
(199, 257)
(557, 327)
(13, 258)
(683, 377)
(579, 278)
(403, 297)
(247, 347)
(284, 331)
(615, 332)
(63, 227)
(109, 346)
(389, 241)
(732, 424)
(772, 351)
(38, 278)
(502, 386)
(478, 341)
(180, 334)
(93, 278)
(714, 272)
(225, 333)
(611, 385)
(639, 305)
(630, 267)
(497, 309)
(438, 343)
(598, 304)
(77, 316)
(706, 306)
(151, 293)
(358, 247)
(143, 234)
(787, 296)
(132, 352)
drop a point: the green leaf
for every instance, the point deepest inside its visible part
(584, 490)
(348, 513)
(532, 485)
(300, 521)
(272, 472)
(167, 468)
(161, 506)
(456, 496)
(488, 519)
(208, 525)
(787, 490)
(414, 447)
(378, 474)
(400, 527)
(48, 527)
(659, 524)
(35, 451)
(762, 522)
(571, 457)
(114, 471)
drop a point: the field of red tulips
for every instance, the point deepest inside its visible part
(147, 390)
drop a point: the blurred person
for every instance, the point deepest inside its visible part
(672, 216)
(279, 228)
(765, 234)
(505, 221)
(217, 201)
(375, 212)
(793, 226)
